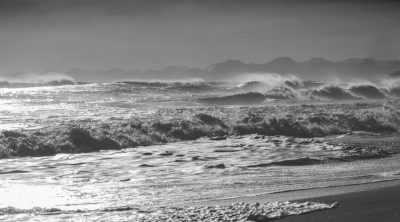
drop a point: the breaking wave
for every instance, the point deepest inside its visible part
(259, 86)
(296, 89)
(294, 84)
(252, 86)
(19, 80)
(63, 82)
(332, 92)
(256, 92)
(367, 91)
(281, 93)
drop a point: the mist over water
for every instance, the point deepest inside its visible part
(33, 79)
(248, 89)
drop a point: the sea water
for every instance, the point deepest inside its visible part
(165, 175)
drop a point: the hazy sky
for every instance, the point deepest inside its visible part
(40, 35)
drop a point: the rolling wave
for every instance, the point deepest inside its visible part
(301, 91)
(367, 91)
(60, 82)
(332, 92)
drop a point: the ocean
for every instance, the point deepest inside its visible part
(179, 143)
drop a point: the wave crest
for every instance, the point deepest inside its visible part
(367, 91)
(17, 80)
(332, 92)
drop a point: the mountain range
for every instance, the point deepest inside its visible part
(318, 69)
(314, 69)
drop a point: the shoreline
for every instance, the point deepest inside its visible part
(378, 204)
(304, 194)
(375, 201)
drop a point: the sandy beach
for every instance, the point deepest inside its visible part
(377, 201)
(377, 204)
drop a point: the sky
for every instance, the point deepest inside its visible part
(58, 35)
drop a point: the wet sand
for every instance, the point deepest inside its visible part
(381, 204)
(379, 201)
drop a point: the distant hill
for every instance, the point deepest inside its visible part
(317, 69)
(313, 69)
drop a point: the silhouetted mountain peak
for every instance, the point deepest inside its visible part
(352, 60)
(357, 61)
(315, 60)
(228, 64)
(314, 68)
(232, 60)
(283, 60)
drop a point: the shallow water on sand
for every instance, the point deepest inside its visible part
(183, 173)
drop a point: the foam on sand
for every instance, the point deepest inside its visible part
(235, 212)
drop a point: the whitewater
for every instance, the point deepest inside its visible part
(264, 138)
(37, 107)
